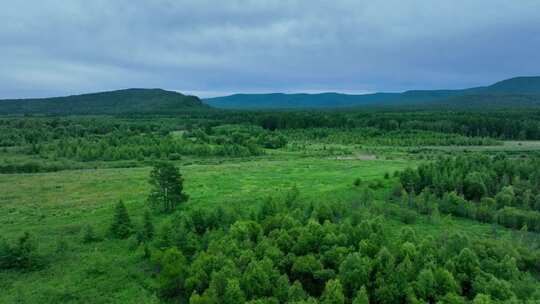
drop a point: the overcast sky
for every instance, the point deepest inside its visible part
(211, 48)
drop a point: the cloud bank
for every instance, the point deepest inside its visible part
(58, 47)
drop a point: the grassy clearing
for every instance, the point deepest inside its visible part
(54, 199)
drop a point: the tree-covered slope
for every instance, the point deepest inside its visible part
(522, 85)
(113, 102)
(299, 100)
(519, 91)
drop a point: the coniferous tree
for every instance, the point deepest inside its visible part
(333, 293)
(121, 226)
(148, 226)
(361, 296)
(425, 285)
(482, 299)
(21, 255)
(88, 234)
(296, 292)
(281, 288)
(233, 293)
(354, 272)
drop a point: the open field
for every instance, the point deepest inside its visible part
(50, 199)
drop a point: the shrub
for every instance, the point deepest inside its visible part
(408, 216)
(22, 255)
(61, 245)
(87, 234)
(174, 156)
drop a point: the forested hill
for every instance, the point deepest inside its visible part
(113, 102)
(514, 92)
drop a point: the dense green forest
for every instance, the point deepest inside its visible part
(334, 252)
(488, 189)
(113, 102)
(217, 206)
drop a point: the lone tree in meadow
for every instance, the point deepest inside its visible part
(167, 188)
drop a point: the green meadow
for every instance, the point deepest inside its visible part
(53, 201)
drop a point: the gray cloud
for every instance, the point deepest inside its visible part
(57, 47)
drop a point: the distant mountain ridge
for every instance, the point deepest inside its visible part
(112, 102)
(518, 91)
(523, 85)
(514, 92)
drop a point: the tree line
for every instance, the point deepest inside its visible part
(493, 189)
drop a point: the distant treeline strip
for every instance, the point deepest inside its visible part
(496, 189)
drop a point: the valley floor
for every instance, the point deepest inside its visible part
(55, 206)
